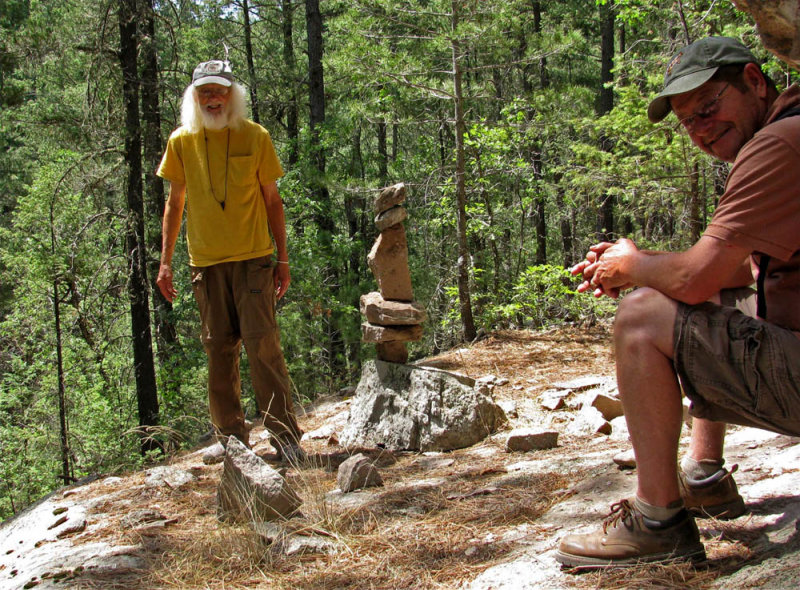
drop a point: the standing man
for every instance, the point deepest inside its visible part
(225, 167)
(692, 324)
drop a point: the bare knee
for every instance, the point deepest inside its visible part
(646, 317)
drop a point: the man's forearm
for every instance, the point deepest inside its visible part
(276, 220)
(173, 214)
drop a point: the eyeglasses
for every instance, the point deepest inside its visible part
(707, 110)
(212, 92)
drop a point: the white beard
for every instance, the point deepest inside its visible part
(214, 122)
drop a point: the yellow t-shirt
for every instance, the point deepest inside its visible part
(239, 230)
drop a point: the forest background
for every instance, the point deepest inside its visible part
(518, 127)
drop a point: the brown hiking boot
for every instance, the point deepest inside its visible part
(713, 497)
(629, 538)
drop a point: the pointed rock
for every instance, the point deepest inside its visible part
(356, 473)
(250, 490)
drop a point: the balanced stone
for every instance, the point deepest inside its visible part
(390, 217)
(389, 197)
(388, 261)
(379, 311)
(375, 333)
(392, 352)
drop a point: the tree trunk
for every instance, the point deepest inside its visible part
(696, 204)
(251, 68)
(144, 368)
(544, 76)
(167, 343)
(323, 210)
(605, 218)
(541, 208)
(383, 155)
(464, 258)
(292, 125)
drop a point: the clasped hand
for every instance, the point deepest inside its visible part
(606, 268)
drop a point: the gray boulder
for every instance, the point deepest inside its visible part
(403, 407)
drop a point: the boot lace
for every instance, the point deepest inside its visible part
(620, 511)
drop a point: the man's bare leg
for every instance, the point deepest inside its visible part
(650, 392)
(708, 440)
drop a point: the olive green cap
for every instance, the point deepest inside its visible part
(693, 66)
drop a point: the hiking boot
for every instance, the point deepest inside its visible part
(629, 538)
(714, 497)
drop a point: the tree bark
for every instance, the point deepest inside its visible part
(144, 369)
(383, 155)
(167, 343)
(464, 258)
(323, 209)
(605, 218)
(251, 68)
(292, 116)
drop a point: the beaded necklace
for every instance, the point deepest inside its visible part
(208, 169)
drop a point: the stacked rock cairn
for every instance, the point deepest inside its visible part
(392, 316)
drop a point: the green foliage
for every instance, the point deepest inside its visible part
(545, 296)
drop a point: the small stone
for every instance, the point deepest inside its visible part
(389, 197)
(509, 407)
(609, 407)
(215, 454)
(356, 473)
(626, 459)
(526, 439)
(392, 352)
(552, 400)
(390, 217)
(383, 312)
(589, 421)
(388, 261)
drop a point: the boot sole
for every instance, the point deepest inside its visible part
(581, 563)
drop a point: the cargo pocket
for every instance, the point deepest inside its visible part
(258, 313)
(200, 290)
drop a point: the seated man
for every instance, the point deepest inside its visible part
(691, 324)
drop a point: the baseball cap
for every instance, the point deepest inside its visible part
(213, 72)
(693, 66)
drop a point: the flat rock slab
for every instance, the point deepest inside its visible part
(37, 551)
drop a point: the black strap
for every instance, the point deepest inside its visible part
(791, 112)
(763, 261)
(761, 298)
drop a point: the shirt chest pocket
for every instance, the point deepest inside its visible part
(243, 171)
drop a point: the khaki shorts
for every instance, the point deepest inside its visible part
(738, 369)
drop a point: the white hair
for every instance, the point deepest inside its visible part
(192, 115)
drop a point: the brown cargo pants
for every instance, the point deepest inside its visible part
(237, 304)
